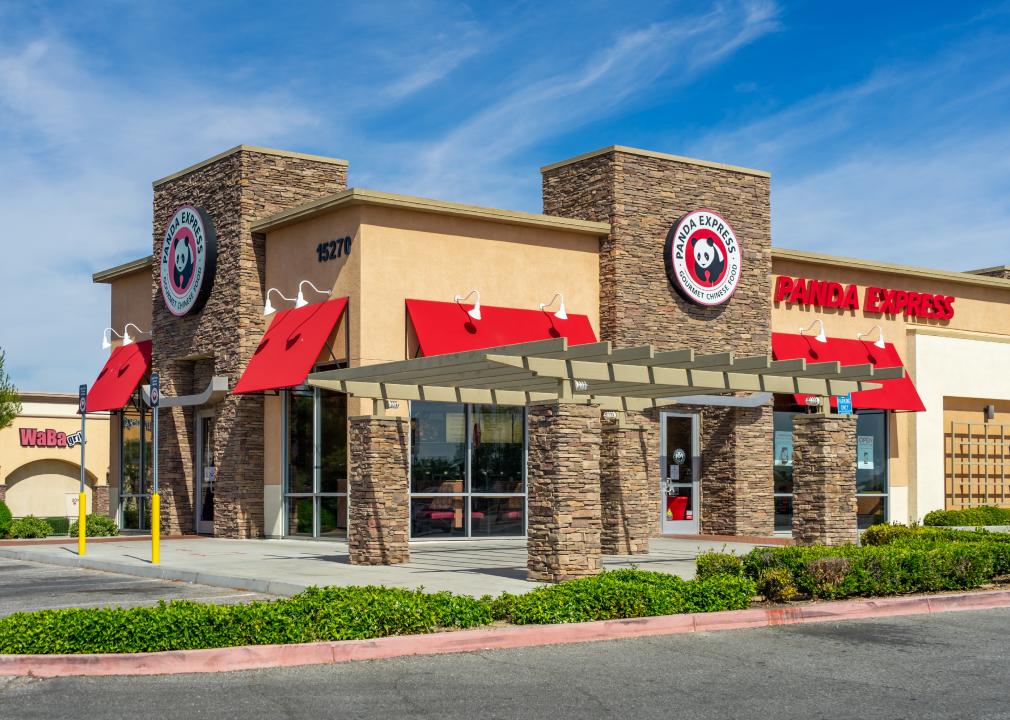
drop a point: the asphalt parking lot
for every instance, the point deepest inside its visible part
(26, 586)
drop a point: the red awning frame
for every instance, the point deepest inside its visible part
(120, 376)
(290, 346)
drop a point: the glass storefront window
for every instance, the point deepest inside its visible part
(871, 468)
(467, 474)
(315, 451)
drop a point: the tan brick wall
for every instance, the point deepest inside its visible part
(563, 472)
(643, 197)
(379, 502)
(824, 483)
(235, 190)
(627, 498)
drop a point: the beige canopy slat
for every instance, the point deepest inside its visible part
(615, 378)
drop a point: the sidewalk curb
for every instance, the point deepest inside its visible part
(156, 572)
(271, 656)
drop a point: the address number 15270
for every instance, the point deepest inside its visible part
(333, 249)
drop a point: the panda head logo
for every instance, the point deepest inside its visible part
(709, 261)
(182, 262)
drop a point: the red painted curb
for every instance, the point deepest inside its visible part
(267, 656)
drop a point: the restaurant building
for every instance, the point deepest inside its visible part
(40, 458)
(271, 283)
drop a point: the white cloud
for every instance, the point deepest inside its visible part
(78, 153)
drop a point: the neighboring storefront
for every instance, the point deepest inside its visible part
(291, 275)
(40, 459)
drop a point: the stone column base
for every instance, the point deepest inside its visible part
(824, 479)
(100, 500)
(627, 501)
(378, 502)
(563, 471)
(3, 492)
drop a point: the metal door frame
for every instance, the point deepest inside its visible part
(199, 416)
(681, 526)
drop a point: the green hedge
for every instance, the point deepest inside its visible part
(96, 525)
(977, 517)
(5, 519)
(894, 559)
(30, 527)
(346, 613)
(623, 594)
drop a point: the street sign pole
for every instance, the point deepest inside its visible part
(82, 498)
(155, 497)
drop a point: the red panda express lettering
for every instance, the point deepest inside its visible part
(880, 301)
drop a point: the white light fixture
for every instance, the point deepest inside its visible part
(820, 337)
(473, 312)
(300, 301)
(560, 314)
(126, 333)
(269, 309)
(106, 340)
(880, 337)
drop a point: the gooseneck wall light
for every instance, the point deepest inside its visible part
(300, 301)
(269, 309)
(560, 314)
(820, 337)
(880, 336)
(126, 333)
(473, 312)
(106, 338)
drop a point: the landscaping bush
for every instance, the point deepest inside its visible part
(5, 519)
(623, 594)
(96, 526)
(849, 570)
(30, 527)
(978, 517)
(345, 613)
(710, 564)
(776, 584)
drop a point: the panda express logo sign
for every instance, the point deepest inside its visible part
(188, 260)
(702, 258)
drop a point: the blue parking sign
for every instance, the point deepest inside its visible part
(845, 404)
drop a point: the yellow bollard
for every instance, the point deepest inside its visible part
(82, 523)
(155, 529)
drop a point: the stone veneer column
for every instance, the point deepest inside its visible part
(563, 475)
(100, 500)
(737, 489)
(628, 504)
(824, 479)
(642, 194)
(378, 502)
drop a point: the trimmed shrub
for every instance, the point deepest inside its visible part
(710, 564)
(885, 534)
(96, 526)
(624, 594)
(850, 570)
(776, 584)
(979, 516)
(30, 527)
(5, 519)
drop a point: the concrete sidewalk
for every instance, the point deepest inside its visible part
(286, 567)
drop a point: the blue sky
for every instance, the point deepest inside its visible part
(885, 125)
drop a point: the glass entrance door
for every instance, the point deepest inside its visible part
(681, 467)
(206, 473)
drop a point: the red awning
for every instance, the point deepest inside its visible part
(122, 373)
(445, 327)
(290, 346)
(893, 395)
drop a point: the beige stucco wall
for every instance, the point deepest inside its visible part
(131, 302)
(979, 310)
(37, 479)
(399, 254)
